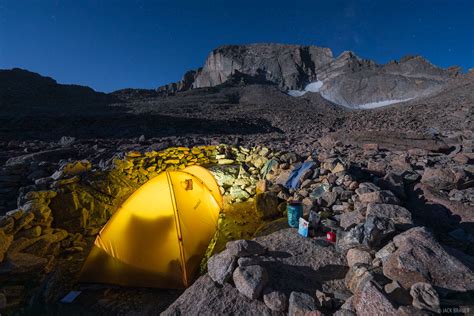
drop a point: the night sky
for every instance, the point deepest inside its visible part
(109, 45)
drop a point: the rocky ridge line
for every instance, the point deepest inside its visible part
(346, 80)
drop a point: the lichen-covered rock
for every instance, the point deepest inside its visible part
(39, 209)
(7, 223)
(238, 193)
(5, 242)
(25, 220)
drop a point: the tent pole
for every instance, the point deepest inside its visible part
(178, 230)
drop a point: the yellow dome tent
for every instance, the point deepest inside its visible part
(160, 234)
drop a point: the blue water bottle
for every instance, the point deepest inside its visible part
(294, 211)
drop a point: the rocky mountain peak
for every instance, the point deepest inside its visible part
(346, 80)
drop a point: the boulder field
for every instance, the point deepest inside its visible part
(402, 219)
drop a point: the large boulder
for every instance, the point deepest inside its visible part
(420, 258)
(266, 205)
(441, 178)
(399, 215)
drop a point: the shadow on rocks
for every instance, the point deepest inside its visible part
(288, 278)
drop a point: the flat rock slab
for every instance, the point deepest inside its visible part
(205, 298)
(293, 263)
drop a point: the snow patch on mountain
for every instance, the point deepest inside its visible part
(312, 87)
(373, 105)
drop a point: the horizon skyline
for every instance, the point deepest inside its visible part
(464, 71)
(110, 46)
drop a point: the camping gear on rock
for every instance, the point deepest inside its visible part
(303, 227)
(313, 220)
(294, 211)
(70, 297)
(158, 237)
(293, 181)
(328, 224)
(331, 236)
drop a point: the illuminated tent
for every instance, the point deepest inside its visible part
(160, 234)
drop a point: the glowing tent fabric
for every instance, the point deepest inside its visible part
(159, 235)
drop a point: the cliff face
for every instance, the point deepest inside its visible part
(289, 66)
(346, 80)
